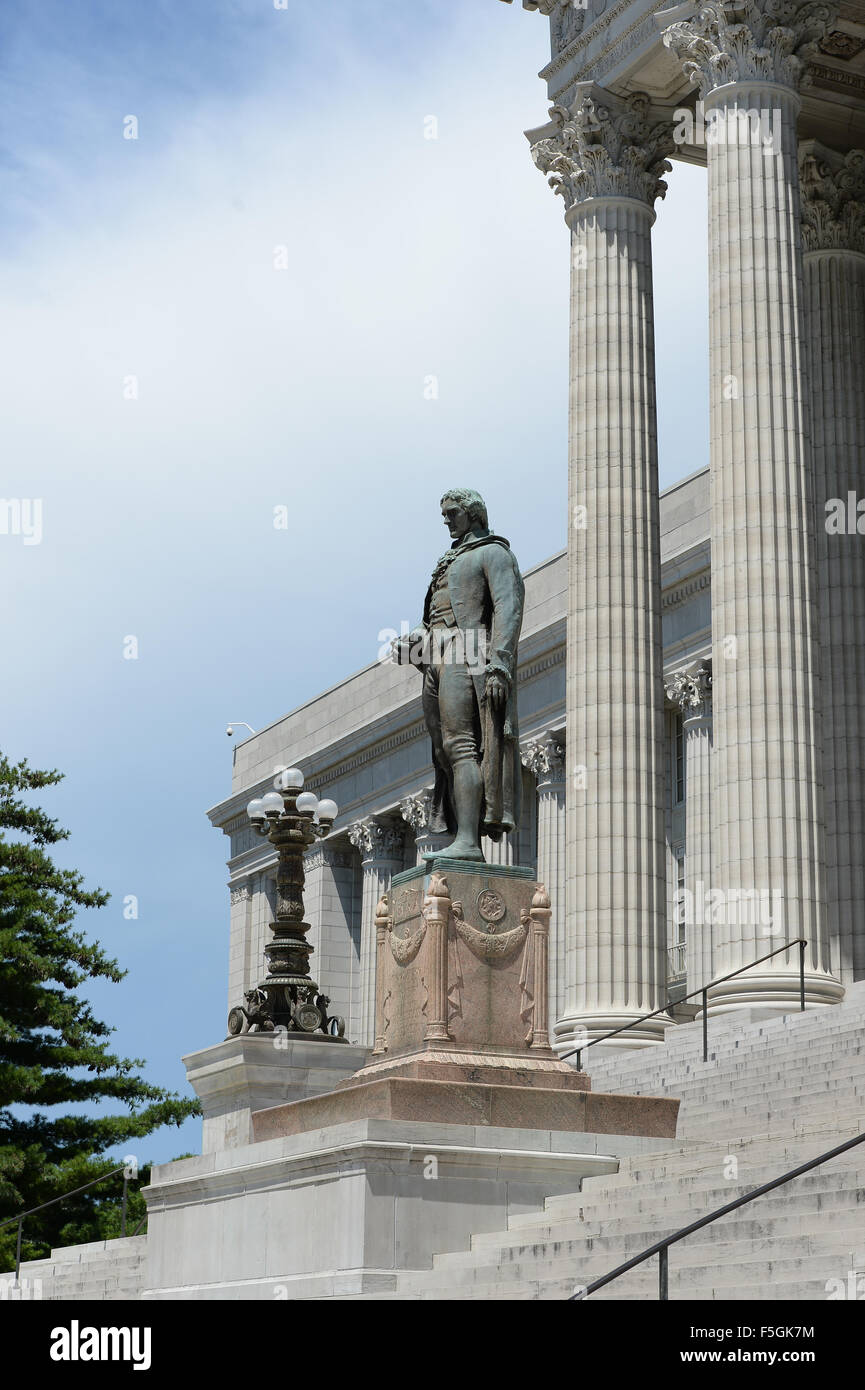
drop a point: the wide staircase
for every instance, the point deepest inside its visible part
(101, 1271)
(772, 1095)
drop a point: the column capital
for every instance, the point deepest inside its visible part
(833, 198)
(691, 690)
(749, 41)
(545, 757)
(604, 146)
(324, 855)
(376, 839)
(415, 810)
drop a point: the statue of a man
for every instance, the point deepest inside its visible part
(466, 649)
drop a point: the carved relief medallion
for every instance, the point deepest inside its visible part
(491, 906)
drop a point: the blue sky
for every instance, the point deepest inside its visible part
(258, 387)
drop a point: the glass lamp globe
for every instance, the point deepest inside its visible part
(288, 779)
(327, 810)
(307, 803)
(272, 804)
(255, 809)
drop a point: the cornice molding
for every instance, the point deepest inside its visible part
(670, 598)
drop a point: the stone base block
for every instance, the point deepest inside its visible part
(257, 1070)
(452, 1102)
(500, 1069)
(336, 1211)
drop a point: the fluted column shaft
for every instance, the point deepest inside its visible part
(381, 852)
(834, 272)
(691, 691)
(545, 757)
(768, 847)
(607, 166)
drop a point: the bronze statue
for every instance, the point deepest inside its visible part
(466, 649)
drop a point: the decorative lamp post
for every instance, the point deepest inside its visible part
(288, 1000)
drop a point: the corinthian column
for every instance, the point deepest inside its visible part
(605, 156)
(768, 847)
(833, 225)
(691, 690)
(381, 855)
(545, 758)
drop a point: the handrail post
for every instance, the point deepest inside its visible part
(579, 1059)
(123, 1206)
(705, 1025)
(18, 1253)
(664, 1274)
(802, 945)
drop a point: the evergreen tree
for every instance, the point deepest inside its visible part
(53, 1051)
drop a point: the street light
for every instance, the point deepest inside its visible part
(288, 1000)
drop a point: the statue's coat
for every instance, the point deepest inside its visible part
(487, 594)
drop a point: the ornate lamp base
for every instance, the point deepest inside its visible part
(286, 1004)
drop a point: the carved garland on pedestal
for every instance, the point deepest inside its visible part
(489, 944)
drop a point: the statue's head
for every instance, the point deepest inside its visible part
(464, 510)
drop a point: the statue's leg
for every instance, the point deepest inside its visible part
(460, 724)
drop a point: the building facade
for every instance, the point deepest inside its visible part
(694, 755)
(365, 742)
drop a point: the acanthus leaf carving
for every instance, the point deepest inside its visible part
(691, 689)
(605, 146)
(545, 757)
(731, 41)
(833, 199)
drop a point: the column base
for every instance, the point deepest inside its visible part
(773, 992)
(579, 1029)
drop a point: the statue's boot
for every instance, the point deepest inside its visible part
(465, 849)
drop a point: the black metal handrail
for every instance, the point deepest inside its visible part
(799, 941)
(64, 1196)
(661, 1247)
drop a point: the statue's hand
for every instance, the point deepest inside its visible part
(496, 691)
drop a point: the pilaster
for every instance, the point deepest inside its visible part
(545, 758)
(381, 847)
(833, 229)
